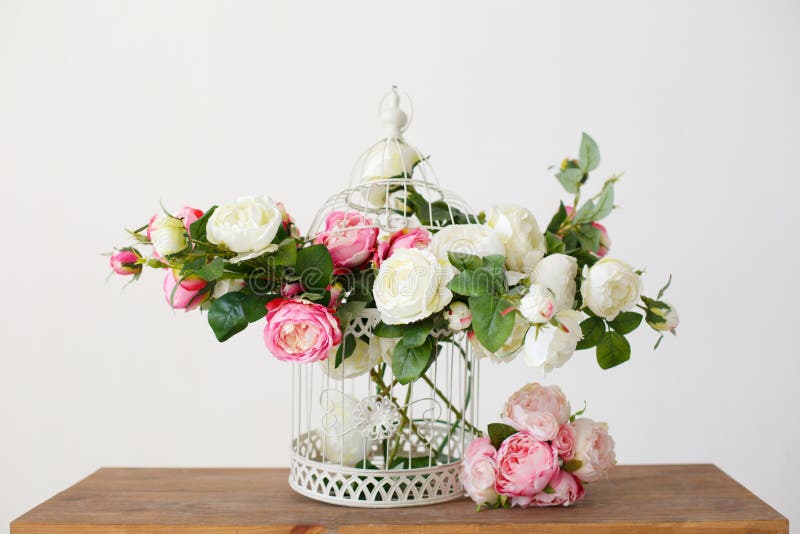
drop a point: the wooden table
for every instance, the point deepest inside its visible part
(658, 498)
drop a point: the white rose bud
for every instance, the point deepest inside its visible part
(557, 273)
(610, 287)
(358, 363)
(411, 285)
(550, 347)
(458, 316)
(167, 234)
(520, 234)
(538, 305)
(662, 316)
(474, 239)
(223, 287)
(246, 226)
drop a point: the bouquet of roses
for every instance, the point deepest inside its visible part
(540, 456)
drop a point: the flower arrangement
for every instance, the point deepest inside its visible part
(541, 455)
(513, 287)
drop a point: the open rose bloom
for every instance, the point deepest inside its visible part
(541, 457)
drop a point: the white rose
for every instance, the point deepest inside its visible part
(662, 316)
(550, 347)
(519, 232)
(557, 273)
(609, 287)
(382, 348)
(538, 305)
(385, 160)
(475, 239)
(458, 316)
(341, 442)
(167, 234)
(594, 449)
(358, 363)
(246, 226)
(509, 350)
(223, 287)
(411, 285)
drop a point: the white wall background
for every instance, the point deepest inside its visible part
(108, 106)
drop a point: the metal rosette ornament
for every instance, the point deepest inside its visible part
(366, 434)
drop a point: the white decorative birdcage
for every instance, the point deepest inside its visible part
(360, 438)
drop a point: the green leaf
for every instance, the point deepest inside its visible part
(497, 261)
(255, 306)
(554, 243)
(664, 289)
(436, 213)
(613, 350)
(464, 262)
(286, 253)
(365, 464)
(588, 236)
(388, 330)
(491, 326)
(226, 315)
(572, 466)
(626, 322)
(409, 363)
(345, 312)
(315, 267)
(549, 489)
(197, 230)
(570, 178)
(658, 341)
(498, 432)
(484, 281)
(588, 153)
(578, 413)
(345, 350)
(212, 271)
(415, 334)
(590, 211)
(558, 219)
(593, 330)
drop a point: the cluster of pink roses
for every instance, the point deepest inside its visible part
(544, 460)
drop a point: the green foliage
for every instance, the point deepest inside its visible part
(593, 329)
(255, 306)
(588, 236)
(578, 413)
(197, 230)
(626, 322)
(226, 315)
(572, 466)
(492, 326)
(555, 245)
(345, 350)
(613, 350)
(588, 154)
(570, 179)
(211, 271)
(464, 262)
(437, 213)
(664, 289)
(558, 219)
(409, 363)
(415, 334)
(591, 211)
(286, 254)
(315, 267)
(499, 432)
(388, 330)
(345, 312)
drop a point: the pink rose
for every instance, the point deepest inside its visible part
(290, 290)
(124, 262)
(479, 470)
(525, 466)
(188, 215)
(300, 331)
(350, 238)
(594, 449)
(535, 398)
(181, 298)
(405, 238)
(565, 490)
(564, 442)
(287, 221)
(542, 425)
(191, 282)
(605, 241)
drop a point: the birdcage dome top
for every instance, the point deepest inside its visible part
(393, 185)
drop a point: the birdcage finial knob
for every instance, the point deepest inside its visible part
(393, 118)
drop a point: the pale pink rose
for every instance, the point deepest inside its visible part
(180, 298)
(479, 470)
(124, 262)
(290, 290)
(565, 490)
(350, 238)
(188, 215)
(542, 425)
(564, 442)
(605, 240)
(594, 449)
(405, 238)
(536, 398)
(300, 331)
(525, 466)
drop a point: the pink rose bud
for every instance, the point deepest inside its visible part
(564, 442)
(405, 238)
(594, 449)
(124, 262)
(188, 215)
(536, 398)
(180, 298)
(290, 290)
(300, 331)
(564, 490)
(350, 238)
(525, 467)
(479, 471)
(191, 282)
(287, 221)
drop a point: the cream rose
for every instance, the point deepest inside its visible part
(550, 347)
(411, 285)
(474, 239)
(662, 316)
(246, 226)
(610, 287)
(382, 348)
(387, 159)
(557, 273)
(538, 305)
(519, 232)
(341, 443)
(167, 235)
(358, 363)
(594, 449)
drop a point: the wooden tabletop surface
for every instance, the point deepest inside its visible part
(657, 498)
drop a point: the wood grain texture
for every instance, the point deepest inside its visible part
(661, 499)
